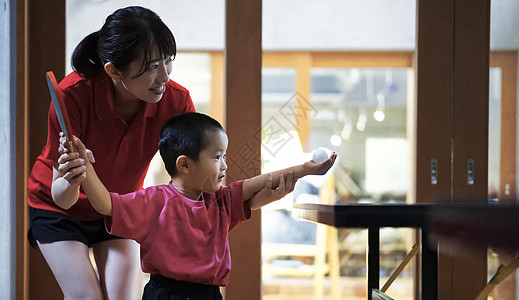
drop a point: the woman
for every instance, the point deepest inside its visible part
(118, 99)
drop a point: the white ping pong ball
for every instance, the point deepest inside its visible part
(320, 155)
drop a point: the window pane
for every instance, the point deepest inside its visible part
(360, 113)
(355, 106)
(494, 133)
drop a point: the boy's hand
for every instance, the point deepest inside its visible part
(313, 168)
(72, 165)
(268, 194)
(72, 168)
(77, 142)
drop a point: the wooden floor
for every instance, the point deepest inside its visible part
(280, 288)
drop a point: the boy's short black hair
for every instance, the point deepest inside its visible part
(185, 134)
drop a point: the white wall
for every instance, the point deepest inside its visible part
(293, 24)
(504, 25)
(7, 144)
(339, 24)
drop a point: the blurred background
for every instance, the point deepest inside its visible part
(336, 74)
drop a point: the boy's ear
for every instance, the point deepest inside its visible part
(183, 164)
(113, 72)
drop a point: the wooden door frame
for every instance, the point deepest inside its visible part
(507, 62)
(38, 36)
(507, 193)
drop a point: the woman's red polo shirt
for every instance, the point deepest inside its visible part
(122, 150)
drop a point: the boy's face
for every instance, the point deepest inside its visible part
(210, 168)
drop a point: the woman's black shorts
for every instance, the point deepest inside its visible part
(49, 226)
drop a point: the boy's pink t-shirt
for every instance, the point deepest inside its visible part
(181, 238)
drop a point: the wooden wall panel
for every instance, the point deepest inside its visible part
(243, 125)
(45, 51)
(433, 116)
(434, 85)
(470, 127)
(452, 122)
(470, 132)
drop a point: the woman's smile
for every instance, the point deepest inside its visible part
(159, 90)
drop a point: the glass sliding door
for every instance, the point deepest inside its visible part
(362, 114)
(502, 153)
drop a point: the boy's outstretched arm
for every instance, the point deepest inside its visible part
(95, 190)
(281, 182)
(269, 194)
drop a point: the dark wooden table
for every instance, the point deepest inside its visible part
(476, 225)
(458, 225)
(373, 217)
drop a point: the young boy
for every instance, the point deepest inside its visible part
(183, 226)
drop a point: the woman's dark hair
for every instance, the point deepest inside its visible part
(126, 35)
(185, 134)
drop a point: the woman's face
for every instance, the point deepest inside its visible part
(150, 85)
